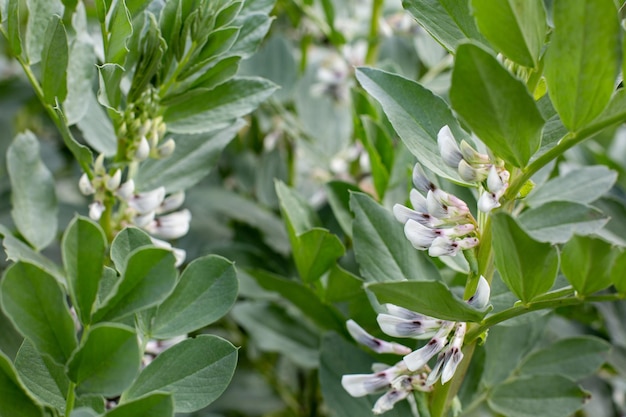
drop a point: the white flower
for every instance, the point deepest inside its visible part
(481, 297)
(420, 181)
(113, 182)
(172, 202)
(85, 186)
(417, 359)
(179, 254)
(377, 345)
(420, 236)
(95, 210)
(147, 201)
(167, 148)
(143, 149)
(448, 148)
(387, 401)
(418, 326)
(126, 190)
(170, 226)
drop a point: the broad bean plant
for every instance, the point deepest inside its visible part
(424, 201)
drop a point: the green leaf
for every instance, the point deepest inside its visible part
(13, 26)
(305, 299)
(298, 214)
(496, 105)
(81, 70)
(81, 152)
(506, 346)
(195, 372)
(273, 329)
(16, 250)
(544, 395)
(618, 277)
(35, 303)
(253, 30)
(375, 137)
(203, 110)
(149, 277)
(40, 13)
(381, 249)
(338, 193)
(581, 65)
(109, 77)
(316, 251)
(14, 400)
(448, 21)
(32, 192)
(120, 29)
(125, 242)
(54, 60)
(416, 114)
(84, 245)
(515, 28)
(583, 185)
(45, 379)
(613, 114)
(107, 361)
(96, 126)
(342, 285)
(207, 289)
(432, 298)
(194, 157)
(153, 405)
(152, 50)
(574, 358)
(527, 267)
(586, 263)
(558, 221)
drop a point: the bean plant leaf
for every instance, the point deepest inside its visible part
(574, 358)
(432, 298)
(527, 267)
(202, 110)
(416, 114)
(207, 289)
(254, 27)
(546, 395)
(125, 242)
(586, 263)
(153, 405)
(35, 303)
(382, 251)
(581, 65)
(195, 372)
(582, 185)
(149, 277)
(496, 105)
(120, 28)
(84, 245)
(33, 194)
(112, 344)
(515, 28)
(54, 60)
(558, 221)
(618, 277)
(14, 400)
(448, 21)
(13, 26)
(40, 13)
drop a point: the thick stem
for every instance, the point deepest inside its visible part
(70, 399)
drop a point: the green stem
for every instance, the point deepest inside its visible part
(519, 309)
(179, 68)
(421, 403)
(373, 40)
(70, 399)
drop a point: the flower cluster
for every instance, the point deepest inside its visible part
(475, 167)
(439, 222)
(412, 373)
(154, 211)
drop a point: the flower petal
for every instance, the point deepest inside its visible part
(480, 299)
(448, 148)
(421, 237)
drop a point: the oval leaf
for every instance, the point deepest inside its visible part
(528, 267)
(586, 263)
(32, 192)
(154, 405)
(125, 242)
(35, 303)
(431, 298)
(54, 59)
(516, 28)
(207, 289)
(107, 361)
(496, 105)
(416, 114)
(84, 245)
(581, 65)
(195, 371)
(544, 395)
(14, 400)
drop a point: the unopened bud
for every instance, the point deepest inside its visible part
(167, 148)
(98, 166)
(113, 182)
(143, 149)
(85, 186)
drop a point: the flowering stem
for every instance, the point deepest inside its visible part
(373, 41)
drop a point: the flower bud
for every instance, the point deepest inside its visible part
(167, 148)
(95, 210)
(448, 148)
(113, 182)
(85, 185)
(143, 149)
